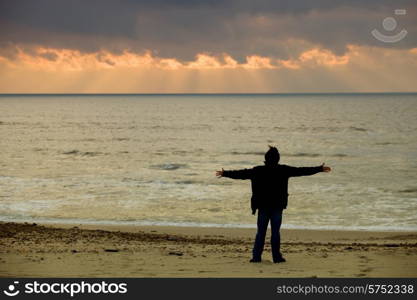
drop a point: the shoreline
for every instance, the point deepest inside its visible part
(69, 250)
(127, 224)
(231, 231)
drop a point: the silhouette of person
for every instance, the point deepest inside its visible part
(270, 197)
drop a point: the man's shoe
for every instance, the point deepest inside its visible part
(253, 260)
(279, 260)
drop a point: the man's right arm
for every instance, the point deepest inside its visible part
(238, 174)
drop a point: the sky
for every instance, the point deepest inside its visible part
(207, 46)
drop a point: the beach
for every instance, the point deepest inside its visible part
(63, 250)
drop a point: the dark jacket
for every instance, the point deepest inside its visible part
(270, 183)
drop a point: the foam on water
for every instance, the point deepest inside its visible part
(169, 166)
(196, 224)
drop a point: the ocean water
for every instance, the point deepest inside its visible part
(151, 159)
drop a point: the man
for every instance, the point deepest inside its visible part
(270, 197)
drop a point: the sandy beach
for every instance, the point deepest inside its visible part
(35, 250)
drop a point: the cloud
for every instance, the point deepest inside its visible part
(360, 69)
(54, 59)
(183, 29)
(204, 46)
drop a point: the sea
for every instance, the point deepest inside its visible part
(151, 159)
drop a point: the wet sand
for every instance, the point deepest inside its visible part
(34, 250)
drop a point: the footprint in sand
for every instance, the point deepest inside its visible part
(366, 270)
(364, 258)
(203, 271)
(363, 265)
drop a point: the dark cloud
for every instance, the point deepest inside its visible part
(49, 56)
(179, 28)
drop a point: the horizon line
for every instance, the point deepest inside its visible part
(202, 94)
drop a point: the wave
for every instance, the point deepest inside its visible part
(339, 155)
(243, 162)
(163, 182)
(179, 152)
(75, 221)
(304, 154)
(320, 129)
(83, 153)
(298, 154)
(247, 153)
(186, 182)
(16, 123)
(358, 129)
(159, 127)
(408, 191)
(388, 143)
(169, 166)
(121, 139)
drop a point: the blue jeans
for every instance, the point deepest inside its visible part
(264, 216)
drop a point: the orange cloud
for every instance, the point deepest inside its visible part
(205, 61)
(53, 59)
(258, 62)
(360, 69)
(317, 57)
(413, 51)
